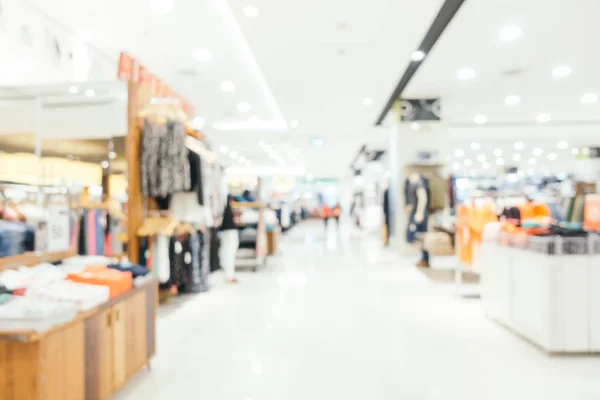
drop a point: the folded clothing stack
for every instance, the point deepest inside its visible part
(25, 313)
(24, 276)
(83, 296)
(118, 282)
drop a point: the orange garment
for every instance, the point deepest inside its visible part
(470, 224)
(118, 282)
(337, 211)
(325, 211)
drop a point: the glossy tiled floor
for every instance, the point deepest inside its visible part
(338, 318)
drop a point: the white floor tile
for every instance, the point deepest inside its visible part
(336, 317)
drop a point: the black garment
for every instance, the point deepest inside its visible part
(415, 228)
(136, 270)
(196, 175)
(82, 250)
(193, 283)
(215, 243)
(410, 191)
(228, 222)
(180, 257)
(386, 211)
(511, 213)
(163, 202)
(425, 256)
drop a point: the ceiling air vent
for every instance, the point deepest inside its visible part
(509, 73)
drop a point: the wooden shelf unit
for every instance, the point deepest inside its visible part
(91, 357)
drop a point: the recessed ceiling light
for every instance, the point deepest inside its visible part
(162, 6)
(242, 159)
(480, 119)
(104, 164)
(552, 156)
(468, 163)
(589, 98)
(254, 119)
(563, 144)
(112, 155)
(537, 151)
(509, 33)
(294, 123)
(561, 71)
(497, 152)
(456, 166)
(233, 154)
(517, 157)
(512, 100)
(367, 101)
(224, 149)
(417, 55)
(198, 122)
(544, 117)
(485, 165)
(499, 161)
(251, 11)
(73, 89)
(459, 153)
(575, 151)
(203, 55)
(481, 157)
(519, 145)
(243, 107)
(90, 93)
(416, 126)
(532, 161)
(465, 74)
(475, 146)
(227, 87)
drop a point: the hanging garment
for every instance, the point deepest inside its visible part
(165, 167)
(215, 243)
(82, 245)
(160, 258)
(196, 179)
(179, 256)
(228, 250)
(91, 222)
(194, 282)
(100, 216)
(185, 207)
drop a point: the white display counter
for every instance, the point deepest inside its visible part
(552, 300)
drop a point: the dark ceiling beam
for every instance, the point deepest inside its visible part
(439, 24)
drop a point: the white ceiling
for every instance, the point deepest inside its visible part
(314, 62)
(554, 33)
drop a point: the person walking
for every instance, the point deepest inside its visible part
(230, 241)
(337, 212)
(325, 214)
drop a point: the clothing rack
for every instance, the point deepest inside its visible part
(259, 243)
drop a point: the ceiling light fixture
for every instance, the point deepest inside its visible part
(544, 117)
(90, 93)
(465, 74)
(585, 151)
(294, 123)
(475, 146)
(415, 126)
(456, 166)
(589, 98)
(498, 152)
(417, 55)
(512, 100)
(499, 161)
(112, 155)
(243, 107)
(480, 119)
(537, 151)
(233, 154)
(563, 144)
(517, 157)
(532, 161)
(468, 163)
(254, 119)
(552, 156)
(227, 87)
(485, 165)
(367, 101)
(561, 71)
(104, 164)
(251, 11)
(203, 55)
(459, 153)
(198, 122)
(519, 146)
(481, 158)
(509, 33)
(224, 149)
(575, 151)
(73, 89)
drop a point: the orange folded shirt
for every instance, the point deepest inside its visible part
(118, 282)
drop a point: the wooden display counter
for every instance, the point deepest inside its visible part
(91, 357)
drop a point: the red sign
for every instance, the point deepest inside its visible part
(125, 71)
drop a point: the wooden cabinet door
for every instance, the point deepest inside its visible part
(119, 345)
(99, 373)
(135, 325)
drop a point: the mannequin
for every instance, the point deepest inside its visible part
(417, 201)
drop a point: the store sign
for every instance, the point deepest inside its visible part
(130, 70)
(58, 228)
(420, 110)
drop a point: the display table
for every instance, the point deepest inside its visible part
(89, 357)
(552, 300)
